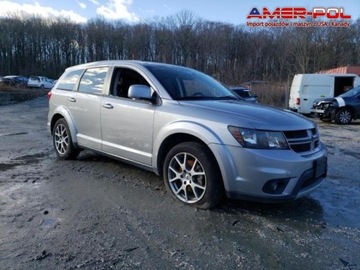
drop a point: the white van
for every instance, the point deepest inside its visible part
(305, 88)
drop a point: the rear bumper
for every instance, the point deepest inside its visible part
(293, 110)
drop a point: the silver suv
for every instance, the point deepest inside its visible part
(183, 124)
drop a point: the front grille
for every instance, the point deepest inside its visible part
(302, 141)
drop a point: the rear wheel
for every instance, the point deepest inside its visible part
(63, 144)
(343, 116)
(192, 176)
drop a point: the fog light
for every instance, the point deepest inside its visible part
(276, 186)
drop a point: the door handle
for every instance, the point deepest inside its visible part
(72, 99)
(108, 106)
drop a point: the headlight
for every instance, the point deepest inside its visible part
(259, 139)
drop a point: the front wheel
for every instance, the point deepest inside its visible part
(63, 144)
(343, 116)
(192, 176)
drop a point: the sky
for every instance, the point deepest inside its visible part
(136, 11)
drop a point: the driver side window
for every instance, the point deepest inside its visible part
(122, 79)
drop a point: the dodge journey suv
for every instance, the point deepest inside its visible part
(190, 128)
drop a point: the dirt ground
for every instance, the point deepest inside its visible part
(98, 213)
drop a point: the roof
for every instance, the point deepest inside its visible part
(343, 70)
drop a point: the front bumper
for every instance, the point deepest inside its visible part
(328, 113)
(318, 111)
(270, 175)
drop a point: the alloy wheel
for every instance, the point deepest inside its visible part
(345, 117)
(187, 178)
(61, 139)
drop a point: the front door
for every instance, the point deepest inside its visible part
(126, 124)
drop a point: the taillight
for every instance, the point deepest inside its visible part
(49, 95)
(298, 101)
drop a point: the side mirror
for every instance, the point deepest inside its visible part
(142, 92)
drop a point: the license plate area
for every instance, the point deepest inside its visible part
(320, 167)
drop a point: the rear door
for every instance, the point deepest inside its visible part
(342, 84)
(84, 106)
(294, 98)
(312, 92)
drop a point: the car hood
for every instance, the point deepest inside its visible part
(249, 115)
(324, 100)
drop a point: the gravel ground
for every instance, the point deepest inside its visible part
(97, 213)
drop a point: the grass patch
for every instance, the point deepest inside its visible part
(11, 95)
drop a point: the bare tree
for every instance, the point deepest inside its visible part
(232, 54)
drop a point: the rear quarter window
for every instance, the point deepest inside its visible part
(92, 82)
(70, 80)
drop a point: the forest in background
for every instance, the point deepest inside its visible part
(231, 53)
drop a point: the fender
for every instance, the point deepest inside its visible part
(340, 101)
(195, 129)
(64, 112)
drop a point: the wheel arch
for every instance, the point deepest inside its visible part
(350, 108)
(63, 113)
(169, 143)
(183, 132)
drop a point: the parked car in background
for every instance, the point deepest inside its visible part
(190, 128)
(40, 82)
(15, 80)
(306, 88)
(244, 93)
(343, 108)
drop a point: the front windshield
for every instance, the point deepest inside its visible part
(352, 92)
(186, 84)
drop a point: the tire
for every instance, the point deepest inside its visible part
(192, 176)
(62, 141)
(343, 116)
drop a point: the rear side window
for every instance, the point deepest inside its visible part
(92, 82)
(33, 78)
(70, 80)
